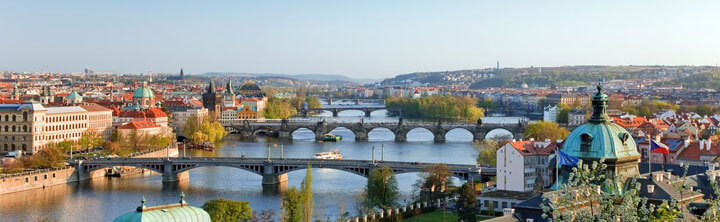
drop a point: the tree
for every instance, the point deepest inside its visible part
(228, 210)
(487, 152)
(562, 115)
(292, 210)
(279, 109)
(306, 189)
(382, 189)
(438, 107)
(542, 130)
(467, 202)
(433, 181)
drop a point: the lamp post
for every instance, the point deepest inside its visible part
(268, 152)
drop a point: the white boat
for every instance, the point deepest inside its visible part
(331, 155)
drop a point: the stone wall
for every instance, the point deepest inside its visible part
(44, 178)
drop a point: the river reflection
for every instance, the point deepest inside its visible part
(103, 199)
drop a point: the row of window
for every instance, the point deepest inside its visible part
(14, 118)
(54, 119)
(65, 127)
(12, 147)
(24, 128)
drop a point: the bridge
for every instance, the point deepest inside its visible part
(273, 171)
(248, 129)
(337, 109)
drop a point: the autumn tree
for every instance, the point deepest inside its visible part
(433, 182)
(487, 150)
(307, 195)
(228, 210)
(542, 130)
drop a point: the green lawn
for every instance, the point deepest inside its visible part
(437, 216)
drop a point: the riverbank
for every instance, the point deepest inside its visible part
(41, 179)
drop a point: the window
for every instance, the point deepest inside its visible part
(585, 142)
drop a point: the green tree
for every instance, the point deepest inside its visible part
(487, 152)
(467, 202)
(490, 209)
(307, 195)
(279, 109)
(382, 189)
(228, 210)
(292, 210)
(438, 107)
(542, 130)
(563, 111)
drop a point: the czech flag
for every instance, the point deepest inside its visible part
(657, 147)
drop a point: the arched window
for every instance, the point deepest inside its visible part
(25, 128)
(14, 118)
(24, 147)
(6, 118)
(6, 129)
(13, 128)
(25, 116)
(5, 147)
(12, 147)
(585, 142)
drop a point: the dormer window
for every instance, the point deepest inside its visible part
(585, 142)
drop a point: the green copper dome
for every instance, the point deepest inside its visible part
(143, 92)
(166, 213)
(600, 137)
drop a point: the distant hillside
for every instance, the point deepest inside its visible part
(302, 77)
(697, 81)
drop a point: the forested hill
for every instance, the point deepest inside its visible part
(709, 80)
(545, 76)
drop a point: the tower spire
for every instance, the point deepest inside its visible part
(599, 103)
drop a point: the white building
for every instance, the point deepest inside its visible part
(520, 163)
(550, 114)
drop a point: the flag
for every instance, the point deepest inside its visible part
(566, 160)
(657, 147)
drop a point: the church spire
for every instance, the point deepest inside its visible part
(211, 87)
(229, 88)
(599, 103)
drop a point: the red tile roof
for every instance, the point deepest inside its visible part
(139, 125)
(529, 148)
(693, 152)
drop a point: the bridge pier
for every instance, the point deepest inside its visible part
(361, 136)
(335, 112)
(272, 179)
(247, 134)
(478, 136)
(439, 137)
(285, 135)
(367, 113)
(400, 136)
(169, 177)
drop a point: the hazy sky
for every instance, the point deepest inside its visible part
(360, 39)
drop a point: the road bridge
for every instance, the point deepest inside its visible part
(273, 171)
(248, 129)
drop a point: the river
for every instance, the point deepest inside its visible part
(103, 199)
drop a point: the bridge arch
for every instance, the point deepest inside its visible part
(455, 130)
(378, 136)
(297, 133)
(360, 171)
(342, 128)
(263, 129)
(500, 132)
(159, 167)
(249, 168)
(346, 111)
(422, 130)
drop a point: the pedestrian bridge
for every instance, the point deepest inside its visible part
(273, 171)
(248, 129)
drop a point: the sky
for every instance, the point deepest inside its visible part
(359, 39)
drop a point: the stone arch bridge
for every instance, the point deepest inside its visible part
(367, 110)
(273, 171)
(285, 128)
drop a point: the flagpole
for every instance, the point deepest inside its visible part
(557, 169)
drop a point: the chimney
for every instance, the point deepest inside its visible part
(668, 175)
(658, 177)
(532, 139)
(651, 188)
(547, 140)
(508, 211)
(514, 140)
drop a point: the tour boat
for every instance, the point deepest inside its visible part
(331, 155)
(331, 137)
